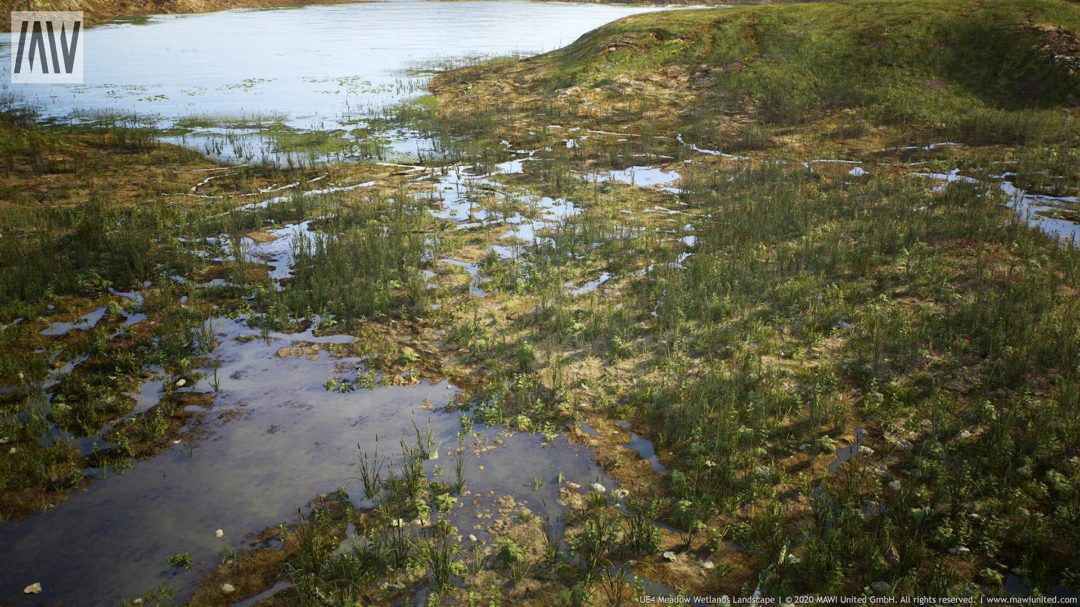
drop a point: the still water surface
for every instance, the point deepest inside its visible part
(318, 67)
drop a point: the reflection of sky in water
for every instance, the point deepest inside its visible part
(311, 65)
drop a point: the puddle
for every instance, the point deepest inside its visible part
(305, 193)
(928, 147)
(274, 439)
(695, 148)
(641, 176)
(83, 323)
(278, 252)
(589, 286)
(845, 454)
(458, 194)
(524, 466)
(1034, 209)
(947, 178)
(474, 275)
(644, 448)
(148, 395)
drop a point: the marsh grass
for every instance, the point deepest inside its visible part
(809, 304)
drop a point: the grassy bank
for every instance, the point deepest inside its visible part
(856, 75)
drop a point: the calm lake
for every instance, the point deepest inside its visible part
(319, 67)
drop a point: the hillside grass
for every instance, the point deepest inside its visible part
(978, 72)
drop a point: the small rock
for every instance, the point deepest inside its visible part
(620, 493)
(670, 556)
(597, 487)
(219, 533)
(137, 601)
(180, 383)
(960, 550)
(903, 444)
(963, 435)
(709, 565)
(34, 588)
(228, 588)
(880, 587)
(895, 485)
(864, 450)
(472, 538)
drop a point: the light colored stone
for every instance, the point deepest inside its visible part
(34, 588)
(709, 565)
(670, 556)
(880, 587)
(180, 383)
(228, 588)
(219, 533)
(597, 487)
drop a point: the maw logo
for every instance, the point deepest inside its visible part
(46, 47)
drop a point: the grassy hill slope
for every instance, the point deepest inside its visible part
(983, 72)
